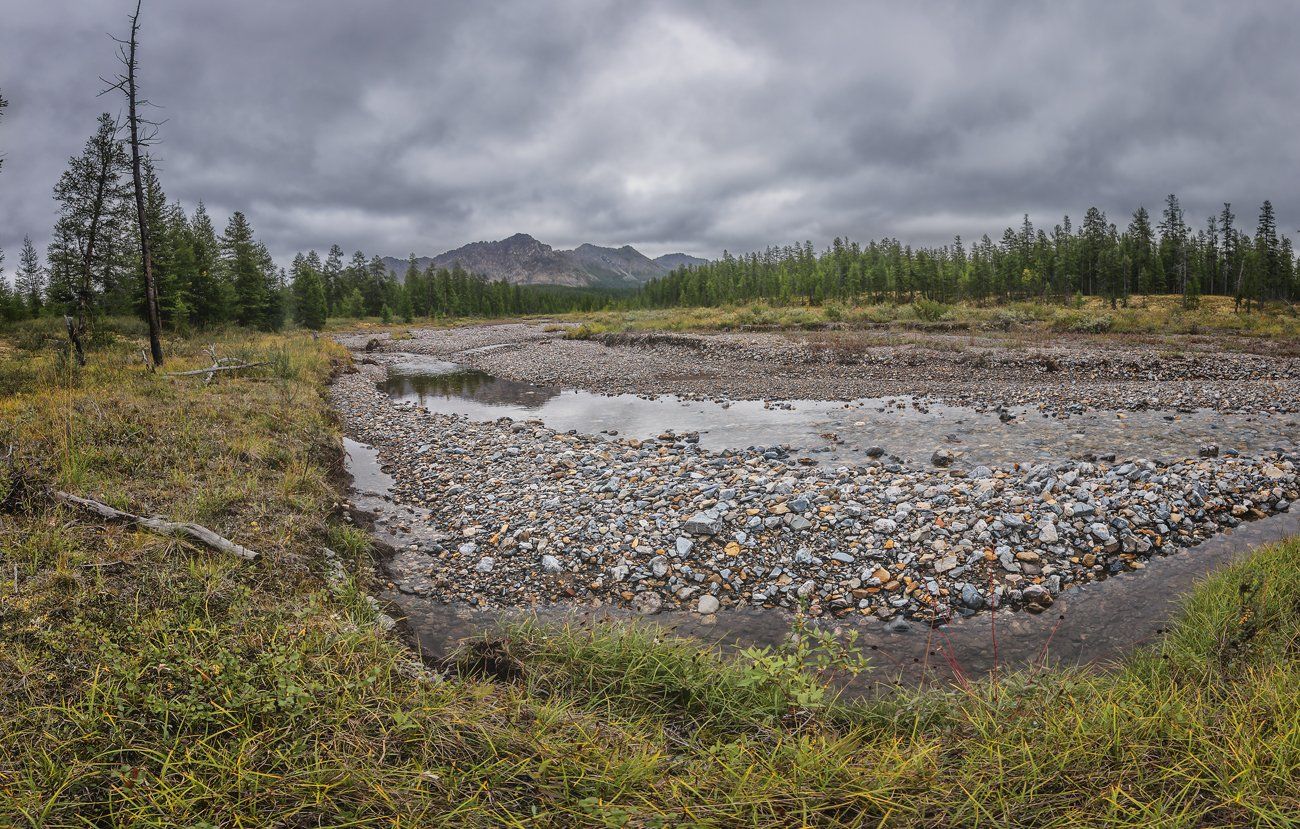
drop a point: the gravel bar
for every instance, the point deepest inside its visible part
(523, 516)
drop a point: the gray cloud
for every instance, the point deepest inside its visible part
(390, 126)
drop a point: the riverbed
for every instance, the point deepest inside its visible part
(955, 537)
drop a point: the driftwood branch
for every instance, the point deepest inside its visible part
(213, 369)
(195, 532)
(218, 364)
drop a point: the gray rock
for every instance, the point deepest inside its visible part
(650, 603)
(898, 625)
(1036, 594)
(551, 564)
(485, 565)
(708, 605)
(703, 523)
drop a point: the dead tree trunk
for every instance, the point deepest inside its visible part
(128, 86)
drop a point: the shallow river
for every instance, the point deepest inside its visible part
(836, 432)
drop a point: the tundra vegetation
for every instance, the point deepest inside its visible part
(149, 681)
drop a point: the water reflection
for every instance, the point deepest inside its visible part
(835, 432)
(467, 384)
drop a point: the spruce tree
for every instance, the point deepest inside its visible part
(1267, 246)
(30, 278)
(210, 294)
(1173, 245)
(243, 270)
(332, 275)
(309, 309)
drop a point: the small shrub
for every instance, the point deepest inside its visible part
(1078, 322)
(586, 331)
(927, 310)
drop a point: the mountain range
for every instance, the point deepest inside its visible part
(522, 260)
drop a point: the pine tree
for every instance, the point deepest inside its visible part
(1142, 243)
(277, 291)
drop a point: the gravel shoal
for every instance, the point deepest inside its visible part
(983, 372)
(524, 516)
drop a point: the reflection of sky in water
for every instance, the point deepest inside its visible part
(913, 435)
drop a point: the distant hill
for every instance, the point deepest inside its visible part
(673, 261)
(523, 260)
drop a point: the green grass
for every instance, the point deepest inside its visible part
(145, 682)
(1144, 316)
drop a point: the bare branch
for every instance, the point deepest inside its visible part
(195, 532)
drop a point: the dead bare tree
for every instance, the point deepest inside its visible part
(126, 84)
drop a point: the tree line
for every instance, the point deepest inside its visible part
(1097, 259)
(94, 263)
(366, 288)
(95, 266)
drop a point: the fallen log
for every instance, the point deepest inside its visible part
(195, 532)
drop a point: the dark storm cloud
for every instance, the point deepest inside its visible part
(397, 126)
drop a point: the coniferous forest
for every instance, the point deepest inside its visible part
(1167, 256)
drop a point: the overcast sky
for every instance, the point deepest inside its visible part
(696, 126)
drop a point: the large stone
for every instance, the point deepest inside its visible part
(703, 523)
(708, 605)
(551, 564)
(1047, 533)
(1036, 594)
(649, 602)
(970, 596)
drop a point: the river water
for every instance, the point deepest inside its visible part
(837, 432)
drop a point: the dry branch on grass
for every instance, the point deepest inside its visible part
(218, 364)
(195, 532)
